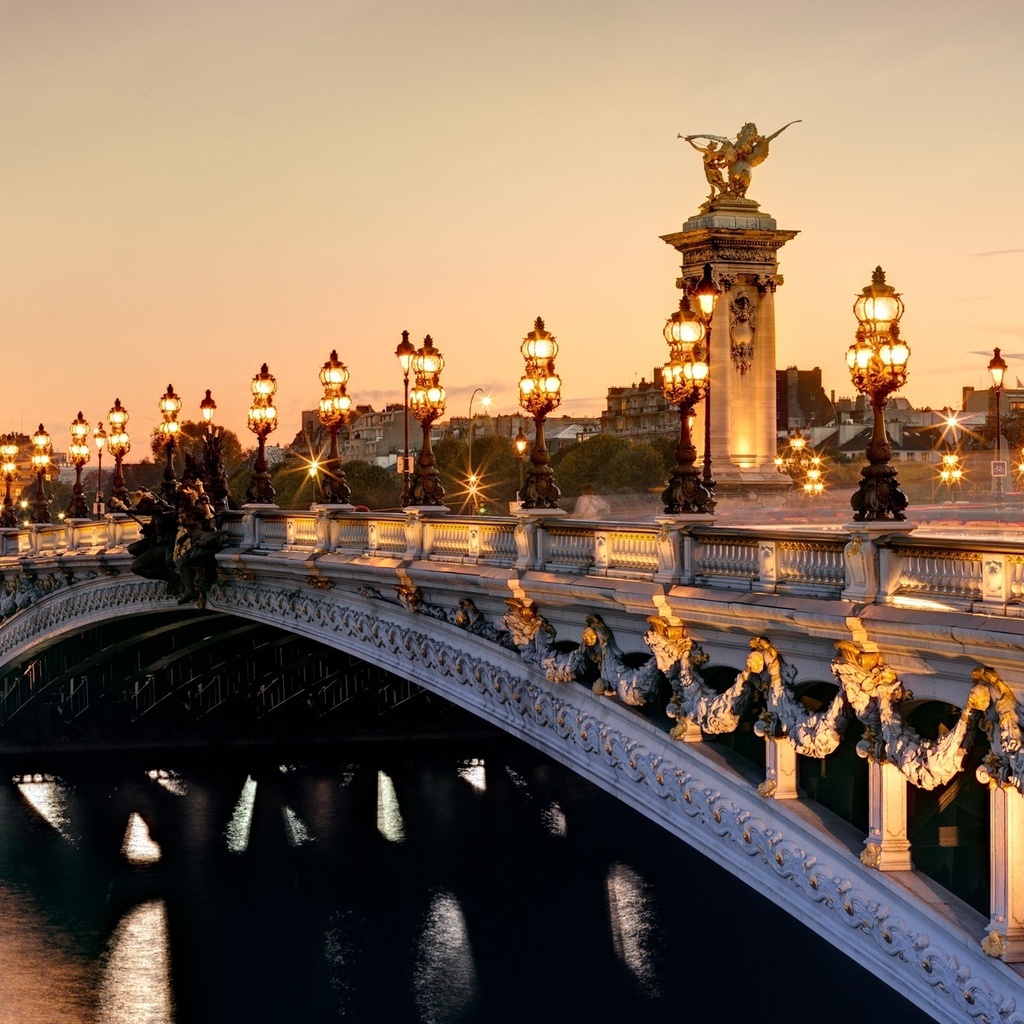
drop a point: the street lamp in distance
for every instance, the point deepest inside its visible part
(997, 367)
(119, 443)
(78, 455)
(262, 419)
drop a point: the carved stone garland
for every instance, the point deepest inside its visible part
(741, 332)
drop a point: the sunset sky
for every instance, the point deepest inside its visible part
(188, 189)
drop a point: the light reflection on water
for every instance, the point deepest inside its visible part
(136, 985)
(553, 818)
(41, 979)
(138, 845)
(474, 772)
(436, 915)
(237, 832)
(389, 814)
(633, 923)
(296, 829)
(49, 800)
(445, 975)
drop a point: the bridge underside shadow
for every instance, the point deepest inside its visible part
(187, 677)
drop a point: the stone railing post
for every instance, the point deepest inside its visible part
(676, 545)
(413, 532)
(869, 568)
(996, 580)
(321, 529)
(530, 536)
(250, 530)
(768, 566)
(1006, 850)
(887, 847)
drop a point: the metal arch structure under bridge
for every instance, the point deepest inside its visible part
(546, 629)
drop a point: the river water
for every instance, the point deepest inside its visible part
(449, 882)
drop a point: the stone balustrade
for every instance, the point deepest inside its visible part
(868, 563)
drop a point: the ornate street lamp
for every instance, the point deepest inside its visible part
(335, 410)
(521, 442)
(878, 367)
(801, 464)
(539, 393)
(99, 438)
(427, 400)
(262, 420)
(405, 353)
(9, 469)
(41, 449)
(951, 472)
(684, 381)
(78, 455)
(170, 406)
(216, 480)
(997, 367)
(707, 292)
(120, 445)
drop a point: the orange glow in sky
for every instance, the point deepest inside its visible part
(188, 190)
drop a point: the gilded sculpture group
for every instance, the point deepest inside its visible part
(728, 162)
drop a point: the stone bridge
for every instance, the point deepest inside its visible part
(830, 713)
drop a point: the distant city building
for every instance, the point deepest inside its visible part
(640, 412)
(800, 400)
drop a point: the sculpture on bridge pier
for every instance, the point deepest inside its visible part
(179, 542)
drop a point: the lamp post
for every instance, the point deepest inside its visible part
(427, 401)
(706, 293)
(335, 408)
(997, 367)
(684, 381)
(521, 442)
(262, 420)
(9, 469)
(405, 353)
(539, 394)
(878, 367)
(170, 406)
(78, 455)
(99, 438)
(120, 445)
(216, 480)
(471, 475)
(41, 449)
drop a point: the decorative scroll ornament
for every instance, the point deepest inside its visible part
(877, 695)
(812, 733)
(741, 332)
(1004, 763)
(635, 685)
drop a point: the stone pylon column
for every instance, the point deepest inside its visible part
(741, 243)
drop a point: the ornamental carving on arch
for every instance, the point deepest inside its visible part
(742, 329)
